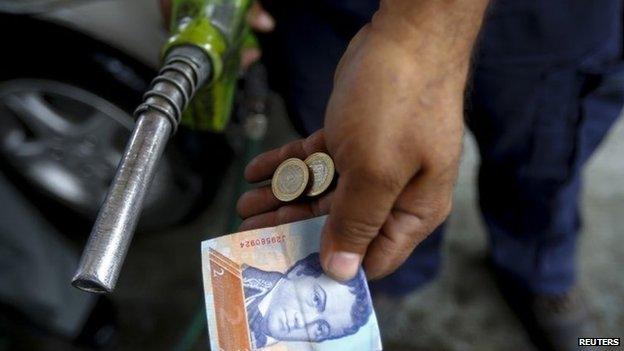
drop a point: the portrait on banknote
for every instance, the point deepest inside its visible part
(303, 304)
(265, 290)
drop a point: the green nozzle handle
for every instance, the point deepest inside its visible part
(219, 28)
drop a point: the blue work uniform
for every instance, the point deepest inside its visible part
(548, 82)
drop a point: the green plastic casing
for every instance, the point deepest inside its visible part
(220, 28)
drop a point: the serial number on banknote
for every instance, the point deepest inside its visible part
(263, 241)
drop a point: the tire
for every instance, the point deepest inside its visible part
(66, 101)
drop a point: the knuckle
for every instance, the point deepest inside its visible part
(288, 150)
(442, 211)
(437, 212)
(378, 175)
(355, 232)
(315, 208)
(395, 251)
(284, 152)
(241, 205)
(312, 142)
(282, 215)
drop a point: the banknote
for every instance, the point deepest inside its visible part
(265, 290)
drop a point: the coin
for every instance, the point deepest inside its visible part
(321, 171)
(290, 179)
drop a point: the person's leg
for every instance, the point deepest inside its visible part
(301, 56)
(538, 118)
(536, 123)
(529, 180)
(529, 186)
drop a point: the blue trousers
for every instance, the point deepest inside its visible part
(547, 83)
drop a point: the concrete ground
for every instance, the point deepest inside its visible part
(160, 291)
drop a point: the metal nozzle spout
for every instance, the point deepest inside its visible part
(186, 68)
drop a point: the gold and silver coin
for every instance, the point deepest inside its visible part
(290, 179)
(321, 172)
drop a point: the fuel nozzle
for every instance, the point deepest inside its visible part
(185, 69)
(200, 58)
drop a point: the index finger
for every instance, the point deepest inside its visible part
(262, 166)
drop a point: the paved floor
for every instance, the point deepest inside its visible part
(160, 291)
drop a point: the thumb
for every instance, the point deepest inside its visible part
(361, 205)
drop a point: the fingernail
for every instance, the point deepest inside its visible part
(343, 265)
(265, 21)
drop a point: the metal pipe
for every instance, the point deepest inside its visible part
(113, 230)
(186, 68)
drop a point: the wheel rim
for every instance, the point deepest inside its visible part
(63, 139)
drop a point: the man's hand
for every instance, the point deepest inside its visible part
(393, 126)
(257, 17)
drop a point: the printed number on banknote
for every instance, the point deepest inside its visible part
(276, 239)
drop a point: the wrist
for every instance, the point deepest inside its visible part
(436, 34)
